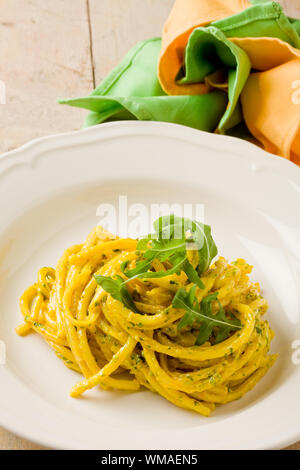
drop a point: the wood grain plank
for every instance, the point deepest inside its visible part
(117, 25)
(9, 441)
(44, 50)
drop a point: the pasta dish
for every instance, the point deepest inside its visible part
(161, 313)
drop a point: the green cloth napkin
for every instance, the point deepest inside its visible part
(208, 50)
(265, 19)
(295, 23)
(132, 91)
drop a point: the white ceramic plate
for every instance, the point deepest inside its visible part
(49, 192)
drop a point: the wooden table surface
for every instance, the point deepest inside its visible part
(54, 49)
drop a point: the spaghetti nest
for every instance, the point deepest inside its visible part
(115, 347)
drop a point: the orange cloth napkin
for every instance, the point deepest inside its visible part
(271, 99)
(266, 53)
(185, 16)
(271, 108)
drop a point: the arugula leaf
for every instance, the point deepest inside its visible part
(171, 242)
(192, 274)
(117, 289)
(200, 237)
(162, 250)
(158, 274)
(173, 238)
(201, 313)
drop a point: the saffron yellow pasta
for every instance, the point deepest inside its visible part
(116, 348)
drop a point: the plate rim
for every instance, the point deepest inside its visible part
(177, 131)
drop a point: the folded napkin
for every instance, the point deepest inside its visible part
(185, 16)
(227, 66)
(132, 91)
(263, 20)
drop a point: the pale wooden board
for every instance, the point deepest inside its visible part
(45, 54)
(9, 441)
